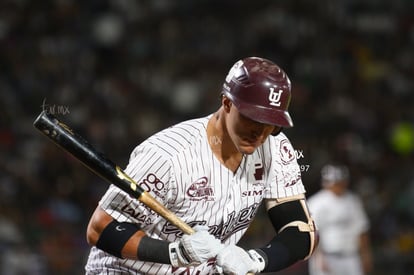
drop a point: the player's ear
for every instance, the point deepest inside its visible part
(226, 102)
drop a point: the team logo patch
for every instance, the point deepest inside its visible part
(200, 190)
(274, 96)
(151, 183)
(287, 154)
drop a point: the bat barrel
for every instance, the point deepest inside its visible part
(73, 143)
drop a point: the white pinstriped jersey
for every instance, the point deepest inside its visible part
(178, 167)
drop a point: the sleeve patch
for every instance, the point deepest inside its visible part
(287, 154)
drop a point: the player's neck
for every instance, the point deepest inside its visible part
(221, 144)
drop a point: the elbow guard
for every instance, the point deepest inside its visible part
(295, 214)
(296, 235)
(307, 228)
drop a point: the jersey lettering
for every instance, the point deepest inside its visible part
(258, 174)
(143, 218)
(249, 193)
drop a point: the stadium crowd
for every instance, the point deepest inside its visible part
(119, 70)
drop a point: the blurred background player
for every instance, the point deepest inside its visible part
(343, 227)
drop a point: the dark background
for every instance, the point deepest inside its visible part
(118, 71)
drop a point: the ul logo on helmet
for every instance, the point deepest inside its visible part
(274, 97)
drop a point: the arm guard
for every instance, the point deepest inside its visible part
(296, 236)
(293, 212)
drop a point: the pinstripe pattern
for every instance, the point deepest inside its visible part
(179, 169)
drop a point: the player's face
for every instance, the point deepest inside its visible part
(246, 133)
(340, 187)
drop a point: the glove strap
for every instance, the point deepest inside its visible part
(178, 255)
(259, 258)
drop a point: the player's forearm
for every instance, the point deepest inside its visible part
(130, 249)
(127, 241)
(123, 240)
(296, 238)
(97, 223)
(286, 249)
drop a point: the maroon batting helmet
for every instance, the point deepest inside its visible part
(260, 90)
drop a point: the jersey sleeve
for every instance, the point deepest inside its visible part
(284, 175)
(150, 168)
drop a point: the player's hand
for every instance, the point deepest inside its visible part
(234, 260)
(195, 249)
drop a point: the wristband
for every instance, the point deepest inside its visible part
(114, 237)
(153, 250)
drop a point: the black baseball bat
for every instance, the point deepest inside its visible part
(69, 140)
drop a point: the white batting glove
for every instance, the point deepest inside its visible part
(194, 249)
(234, 260)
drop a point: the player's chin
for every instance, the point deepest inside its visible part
(248, 148)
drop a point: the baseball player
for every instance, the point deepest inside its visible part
(213, 172)
(342, 225)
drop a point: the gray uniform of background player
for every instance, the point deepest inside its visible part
(341, 221)
(178, 167)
